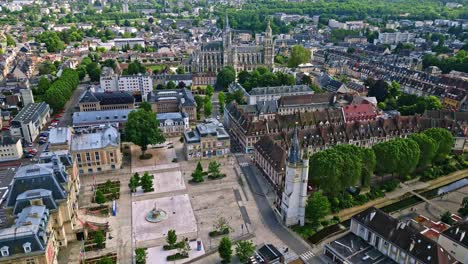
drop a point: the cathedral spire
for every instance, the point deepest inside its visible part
(226, 24)
(294, 150)
(268, 31)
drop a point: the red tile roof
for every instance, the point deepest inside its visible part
(359, 112)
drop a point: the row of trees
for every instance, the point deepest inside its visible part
(343, 166)
(57, 93)
(340, 167)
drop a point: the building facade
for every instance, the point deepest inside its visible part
(455, 241)
(260, 94)
(136, 84)
(10, 149)
(96, 151)
(207, 140)
(213, 56)
(35, 190)
(106, 101)
(173, 124)
(29, 122)
(170, 101)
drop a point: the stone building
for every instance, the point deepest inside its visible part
(97, 150)
(43, 197)
(207, 140)
(170, 101)
(213, 56)
(106, 101)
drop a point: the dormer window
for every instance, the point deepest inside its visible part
(4, 251)
(27, 247)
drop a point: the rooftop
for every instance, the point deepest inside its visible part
(31, 112)
(108, 136)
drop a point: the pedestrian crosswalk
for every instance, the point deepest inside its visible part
(244, 164)
(307, 255)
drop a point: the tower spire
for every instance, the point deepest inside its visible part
(226, 20)
(294, 150)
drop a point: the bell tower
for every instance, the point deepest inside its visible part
(294, 197)
(268, 47)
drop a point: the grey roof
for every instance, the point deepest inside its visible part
(100, 117)
(48, 176)
(59, 135)
(161, 117)
(277, 90)
(211, 127)
(399, 234)
(29, 228)
(108, 136)
(8, 140)
(294, 150)
(31, 113)
(23, 200)
(183, 96)
(107, 98)
(458, 233)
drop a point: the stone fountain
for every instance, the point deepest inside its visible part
(156, 215)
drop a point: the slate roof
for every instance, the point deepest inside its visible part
(31, 113)
(107, 98)
(48, 176)
(401, 235)
(458, 233)
(210, 127)
(272, 152)
(30, 227)
(183, 96)
(100, 139)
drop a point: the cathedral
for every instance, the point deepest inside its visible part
(213, 56)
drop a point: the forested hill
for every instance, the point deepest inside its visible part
(252, 15)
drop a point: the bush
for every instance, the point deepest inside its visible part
(390, 185)
(216, 233)
(177, 245)
(176, 256)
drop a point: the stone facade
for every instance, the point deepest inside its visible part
(213, 56)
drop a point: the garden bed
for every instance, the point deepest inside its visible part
(110, 190)
(91, 245)
(95, 260)
(102, 210)
(176, 256)
(216, 233)
(216, 177)
(177, 245)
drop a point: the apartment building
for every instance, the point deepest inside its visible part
(96, 150)
(379, 238)
(128, 42)
(29, 122)
(455, 241)
(395, 38)
(10, 148)
(258, 94)
(207, 140)
(135, 84)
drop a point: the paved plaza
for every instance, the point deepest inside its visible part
(165, 182)
(180, 217)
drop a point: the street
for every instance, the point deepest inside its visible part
(253, 177)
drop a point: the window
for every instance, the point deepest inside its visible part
(4, 251)
(96, 155)
(27, 247)
(31, 261)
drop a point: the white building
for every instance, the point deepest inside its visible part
(29, 122)
(10, 149)
(139, 83)
(294, 197)
(130, 42)
(27, 96)
(173, 124)
(395, 38)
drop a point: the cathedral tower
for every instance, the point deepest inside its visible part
(294, 197)
(227, 43)
(268, 47)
